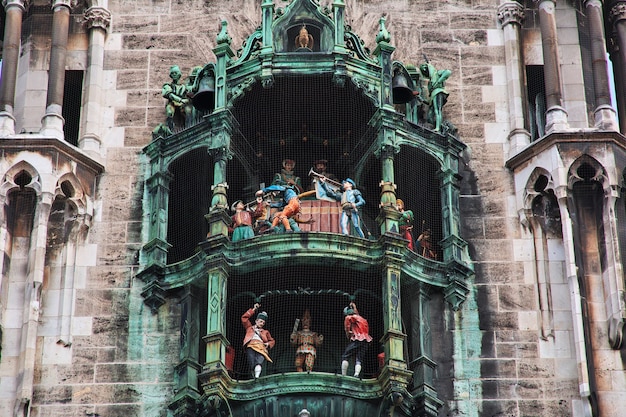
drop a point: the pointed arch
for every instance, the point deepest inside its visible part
(70, 187)
(587, 168)
(11, 178)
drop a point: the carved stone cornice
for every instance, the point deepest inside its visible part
(511, 12)
(98, 17)
(618, 12)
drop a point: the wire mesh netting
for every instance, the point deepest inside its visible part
(325, 129)
(295, 298)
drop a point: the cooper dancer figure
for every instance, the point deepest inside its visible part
(357, 331)
(257, 340)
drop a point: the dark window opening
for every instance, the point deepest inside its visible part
(535, 84)
(72, 103)
(285, 294)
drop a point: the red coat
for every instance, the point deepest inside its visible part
(265, 335)
(356, 327)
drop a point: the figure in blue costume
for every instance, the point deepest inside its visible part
(351, 199)
(290, 205)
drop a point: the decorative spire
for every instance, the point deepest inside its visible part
(383, 34)
(223, 37)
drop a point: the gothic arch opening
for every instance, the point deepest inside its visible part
(304, 118)
(419, 187)
(189, 200)
(285, 293)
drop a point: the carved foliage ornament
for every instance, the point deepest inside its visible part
(618, 12)
(511, 13)
(98, 17)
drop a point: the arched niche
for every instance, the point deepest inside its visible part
(188, 203)
(304, 118)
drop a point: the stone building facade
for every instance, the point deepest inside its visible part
(122, 287)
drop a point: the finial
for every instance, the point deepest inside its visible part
(383, 34)
(223, 37)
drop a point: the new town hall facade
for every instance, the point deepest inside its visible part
(178, 177)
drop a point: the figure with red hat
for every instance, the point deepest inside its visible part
(257, 340)
(241, 221)
(357, 331)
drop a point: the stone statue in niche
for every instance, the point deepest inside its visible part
(304, 40)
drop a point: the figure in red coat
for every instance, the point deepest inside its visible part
(257, 340)
(357, 331)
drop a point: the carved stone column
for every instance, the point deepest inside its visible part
(52, 122)
(188, 367)
(218, 217)
(613, 277)
(158, 197)
(604, 113)
(223, 53)
(98, 20)
(556, 117)
(618, 19)
(389, 215)
(422, 363)
(584, 384)
(511, 16)
(614, 55)
(32, 301)
(339, 10)
(14, 10)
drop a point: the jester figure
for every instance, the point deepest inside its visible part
(306, 341)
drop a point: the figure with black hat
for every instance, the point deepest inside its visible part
(357, 331)
(320, 170)
(351, 199)
(257, 340)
